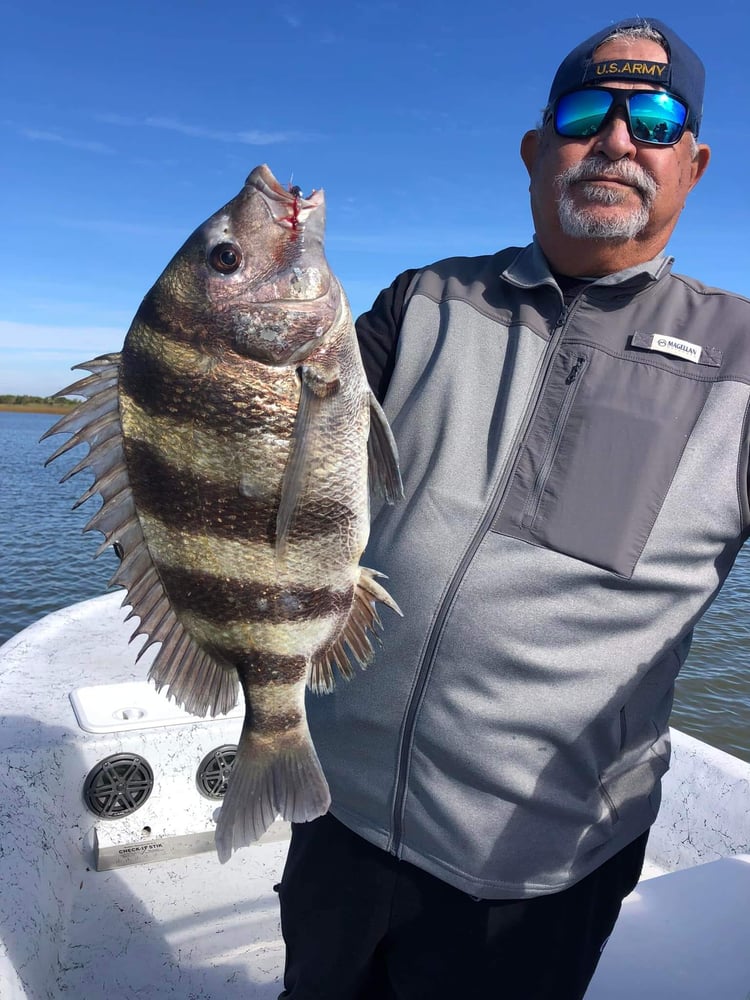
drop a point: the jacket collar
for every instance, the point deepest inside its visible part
(530, 269)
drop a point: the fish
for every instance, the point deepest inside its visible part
(235, 444)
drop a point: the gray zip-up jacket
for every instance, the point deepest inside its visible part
(576, 493)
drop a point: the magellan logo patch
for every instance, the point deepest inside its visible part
(686, 350)
(679, 348)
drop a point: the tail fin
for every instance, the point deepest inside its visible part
(267, 781)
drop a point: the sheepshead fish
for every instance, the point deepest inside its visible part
(231, 441)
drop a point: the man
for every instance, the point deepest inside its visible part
(571, 420)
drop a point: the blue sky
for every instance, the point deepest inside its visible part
(124, 125)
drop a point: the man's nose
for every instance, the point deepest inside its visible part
(614, 141)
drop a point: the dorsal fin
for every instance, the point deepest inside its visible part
(193, 678)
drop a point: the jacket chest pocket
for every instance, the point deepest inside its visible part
(605, 440)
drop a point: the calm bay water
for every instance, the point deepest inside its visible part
(45, 564)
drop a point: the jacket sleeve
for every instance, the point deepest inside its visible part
(378, 331)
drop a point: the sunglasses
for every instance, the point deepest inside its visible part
(653, 116)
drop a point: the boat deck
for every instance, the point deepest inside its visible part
(181, 925)
(684, 935)
(192, 928)
(187, 928)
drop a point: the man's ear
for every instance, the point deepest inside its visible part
(530, 148)
(699, 164)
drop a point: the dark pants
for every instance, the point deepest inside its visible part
(361, 925)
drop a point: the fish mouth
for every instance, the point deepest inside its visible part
(287, 205)
(263, 179)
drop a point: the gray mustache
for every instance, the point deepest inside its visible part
(625, 171)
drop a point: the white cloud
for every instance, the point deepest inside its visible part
(248, 137)
(109, 226)
(87, 145)
(107, 118)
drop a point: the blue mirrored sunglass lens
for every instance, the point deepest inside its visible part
(581, 114)
(656, 117)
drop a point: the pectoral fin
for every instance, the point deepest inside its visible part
(314, 390)
(385, 475)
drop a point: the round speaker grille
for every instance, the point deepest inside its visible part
(214, 770)
(118, 785)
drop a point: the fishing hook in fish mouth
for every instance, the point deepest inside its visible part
(294, 219)
(288, 206)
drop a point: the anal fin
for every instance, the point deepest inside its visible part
(194, 679)
(353, 642)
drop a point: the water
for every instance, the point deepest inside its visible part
(46, 564)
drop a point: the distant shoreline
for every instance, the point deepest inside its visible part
(35, 408)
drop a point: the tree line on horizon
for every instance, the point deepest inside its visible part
(14, 400)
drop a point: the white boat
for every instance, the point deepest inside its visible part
(129, 900)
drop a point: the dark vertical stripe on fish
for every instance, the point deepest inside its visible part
(219, 510)
(222, 601)
(263, 675)
(160, 391)
(259, 670)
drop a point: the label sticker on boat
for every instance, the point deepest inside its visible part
(109, 856)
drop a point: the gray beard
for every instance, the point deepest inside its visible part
(581, 223)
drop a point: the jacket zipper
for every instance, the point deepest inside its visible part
(531, 507)
(425, 667)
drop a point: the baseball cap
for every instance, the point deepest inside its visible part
(683, 75)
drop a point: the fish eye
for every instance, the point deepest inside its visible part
(225, 258)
